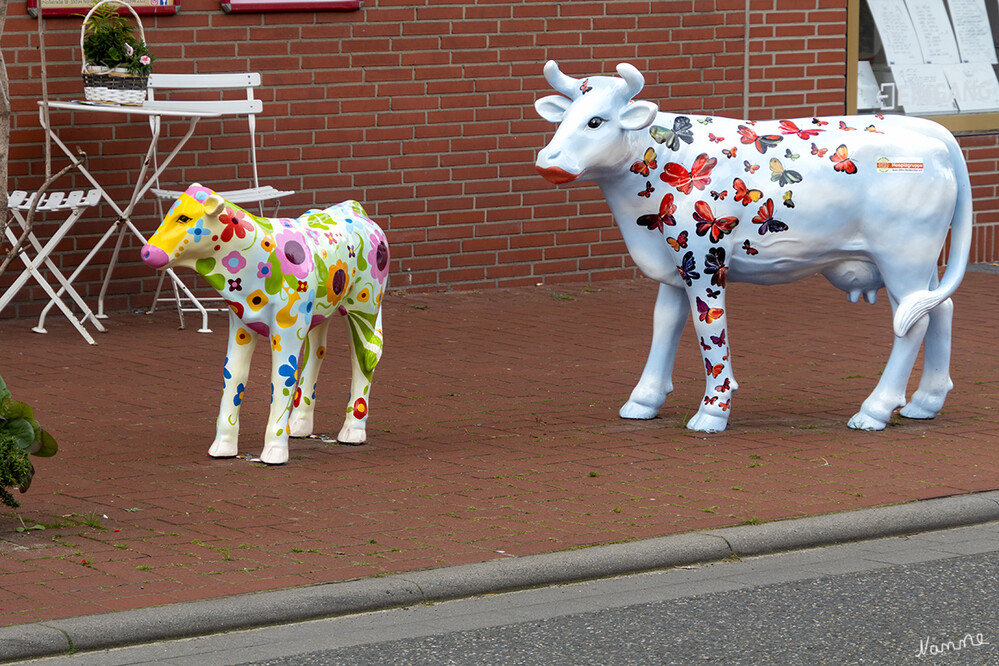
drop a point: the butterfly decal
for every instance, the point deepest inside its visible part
(787, 199)
(712, 293)
(725, 405)
(704, 345)
(750, 250)
(654, 222)
(843, 126)
(879, 116)
(762, 142)
(688, 268)
(819, 152)
(713, 370)
(715, 139)
(707, 314)
(765, 218)
(705, 121)
(730, 152)
(647, 192)
(710, 401)
(719, 340)
(725, 386)
(750, 168)
(788, 127)
(673, 137)
(820, 123)
(585, 87)
(647, 163)
(719, 195)
(790, 156)
(782, 176)
(872, 128)
(841, 160)
(679, 242)
(708, 224)
(714, 265)
(744, 194)
(684, 181)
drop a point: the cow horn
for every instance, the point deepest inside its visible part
(633, 79)
(562, 83)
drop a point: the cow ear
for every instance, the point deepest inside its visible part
(214, 204)
(552, 107)
(638, 115)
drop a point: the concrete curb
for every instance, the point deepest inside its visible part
(145, 625)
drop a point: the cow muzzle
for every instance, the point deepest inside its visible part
(556, 175)
(154, 256)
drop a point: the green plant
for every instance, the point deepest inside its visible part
(108, 41)
(20, 435)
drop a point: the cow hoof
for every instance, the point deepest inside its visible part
(707, 422)
(275, 455)
(300, 426)
(352, 435)
(914, 411)
(862, 421)
(223, 449)
(636, 410)
(924, 404)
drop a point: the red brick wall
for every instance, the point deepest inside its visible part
(423, 110)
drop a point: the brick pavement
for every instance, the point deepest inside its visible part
(493, 433)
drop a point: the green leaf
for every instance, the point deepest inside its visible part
(21, 432)
(13, 409)
(47, 447)
(4, 393)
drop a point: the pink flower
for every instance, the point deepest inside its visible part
(145, 60)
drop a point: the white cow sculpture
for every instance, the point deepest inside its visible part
(866, 201)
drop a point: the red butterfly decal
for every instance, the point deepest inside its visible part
(711, 400)
(879, 116)
(727, 352)
(821, 152)
(706, 222)
(724, 405)
(719, 195)
(750, 250)
(725, 386)
(750, 168)
(714, 265)
(646, 163)
(585, 87)
(745, 195)
(820, 123)
(713, 370)
(647, 192)
(712, 293)
(765, 218)
(665, 217)
(679, 242)
(707, 314)
(875, 130)
(699, 175)
(719, 340)
(844, 127)
(762, 142)
(788, 127)
(715, 139)
(704, 346)
(730, 152)
(841, 160)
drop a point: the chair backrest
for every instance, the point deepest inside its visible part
(203, 92)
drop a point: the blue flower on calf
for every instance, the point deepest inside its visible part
(289, 371)
(199, 231)
(237, 399)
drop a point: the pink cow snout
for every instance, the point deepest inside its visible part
(154, 256)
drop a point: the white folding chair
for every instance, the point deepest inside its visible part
(206, 92)
(75, 203)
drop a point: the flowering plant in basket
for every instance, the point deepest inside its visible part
(109, 41)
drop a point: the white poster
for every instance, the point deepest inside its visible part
(936, 37)
(971, 28)
(897, 34)
(923, 89)
(974, 86)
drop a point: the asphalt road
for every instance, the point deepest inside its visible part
(924, 599)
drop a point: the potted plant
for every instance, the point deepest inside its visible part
(20, 435)
(116, 63)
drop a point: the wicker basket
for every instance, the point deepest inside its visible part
(115, 86)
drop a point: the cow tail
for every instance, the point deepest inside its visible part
(917, 304)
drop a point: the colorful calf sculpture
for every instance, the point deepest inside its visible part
(283, 279)
(701, 201)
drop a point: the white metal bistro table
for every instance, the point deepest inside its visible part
(143, 182)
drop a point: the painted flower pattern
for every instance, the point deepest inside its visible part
(294, 254)
(234, 262)
(234, 224)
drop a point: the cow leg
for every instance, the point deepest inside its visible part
(656, 382)
(301, 421)
(365, 351)
(710, 327)
(237, 368)
(284, 381)
(889, 394)
(935, 382)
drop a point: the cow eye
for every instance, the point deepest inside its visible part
(183, 219)
(595, 122)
